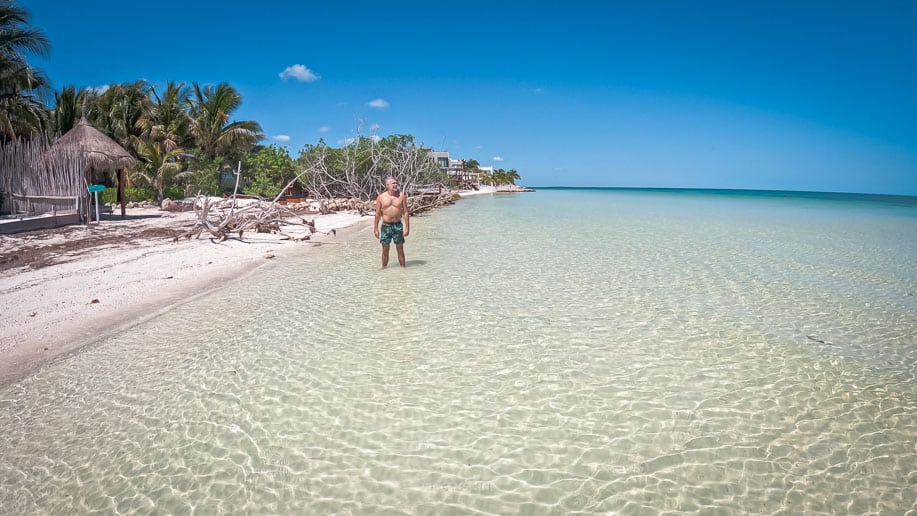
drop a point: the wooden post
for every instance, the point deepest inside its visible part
(121, 191)
(88, 195)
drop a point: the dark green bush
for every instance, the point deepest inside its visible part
(110, 195)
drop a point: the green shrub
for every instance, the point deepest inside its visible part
(204, 178)
(267, 171)
(110, 195)
(174, 192)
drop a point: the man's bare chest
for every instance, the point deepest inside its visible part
(388, 201)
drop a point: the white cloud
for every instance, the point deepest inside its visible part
(498, 158)
(299, 72)
(324, 129)
(98, 90)
(537, 91)
(375, 127)
(346, 141)
(477, 147)
(375, 137)
(281, 138)
(378, 103)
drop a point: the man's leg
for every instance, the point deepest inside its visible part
(400, 249)
(385, 249)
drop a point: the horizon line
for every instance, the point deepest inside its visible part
(714, 189)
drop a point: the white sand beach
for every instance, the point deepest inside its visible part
(62, 289)
(482, 190)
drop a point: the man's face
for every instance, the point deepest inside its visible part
(391, 185)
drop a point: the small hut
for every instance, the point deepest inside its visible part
(102, 155)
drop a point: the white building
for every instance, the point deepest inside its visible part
(455, 168)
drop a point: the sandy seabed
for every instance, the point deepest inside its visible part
(64, 288)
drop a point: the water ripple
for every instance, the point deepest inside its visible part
(643, 362)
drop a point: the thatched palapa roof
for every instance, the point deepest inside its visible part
(99, 151)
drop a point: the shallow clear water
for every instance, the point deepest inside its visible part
(555, 352)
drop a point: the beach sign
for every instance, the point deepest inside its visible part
(94, 190)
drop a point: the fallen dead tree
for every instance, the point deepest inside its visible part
(222, 218)
(426, 201)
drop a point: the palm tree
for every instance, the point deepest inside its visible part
(167, 119)
(21, 113)
(158, 168)
(472, 166)
(119, 109)
(512, 176)
(211, 109)
(22, 88)
(66, 112)
(503, 177)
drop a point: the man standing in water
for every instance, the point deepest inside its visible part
(392, 208)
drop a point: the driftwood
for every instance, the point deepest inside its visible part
(224, 217)
(426, 201)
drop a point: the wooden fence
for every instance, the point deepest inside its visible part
(35, 180)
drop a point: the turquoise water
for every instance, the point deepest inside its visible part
(545, 353)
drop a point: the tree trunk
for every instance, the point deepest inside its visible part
(88, 196)
(121, 175)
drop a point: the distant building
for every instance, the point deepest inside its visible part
(442, 159)
(455, 168)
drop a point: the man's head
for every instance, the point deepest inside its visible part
(391, 184)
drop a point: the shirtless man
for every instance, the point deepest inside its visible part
(392, 208)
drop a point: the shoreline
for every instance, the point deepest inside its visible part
(103, 279)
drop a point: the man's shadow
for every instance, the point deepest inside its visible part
(412, 263)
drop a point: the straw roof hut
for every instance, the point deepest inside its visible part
(101, 153)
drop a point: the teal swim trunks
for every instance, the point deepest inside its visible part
(391, 231)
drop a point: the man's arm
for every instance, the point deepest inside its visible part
(378, 216)
(406, 216)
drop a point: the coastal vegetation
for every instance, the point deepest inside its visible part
(22, 87)
(354, 170)
(187, 141)
(493, 177)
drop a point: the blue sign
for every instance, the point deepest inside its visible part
(96, 188)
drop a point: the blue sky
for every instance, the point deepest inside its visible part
(709, 94)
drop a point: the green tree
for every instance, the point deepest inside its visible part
(505, 177)
(203, 174)
(512, 176)
(268, 170)
(66, 112)
(166, 120)
(211, 109)
(22, 87)
(159, 168)
(118, 109)
(472, 166)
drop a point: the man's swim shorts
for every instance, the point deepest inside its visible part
(391, 231)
